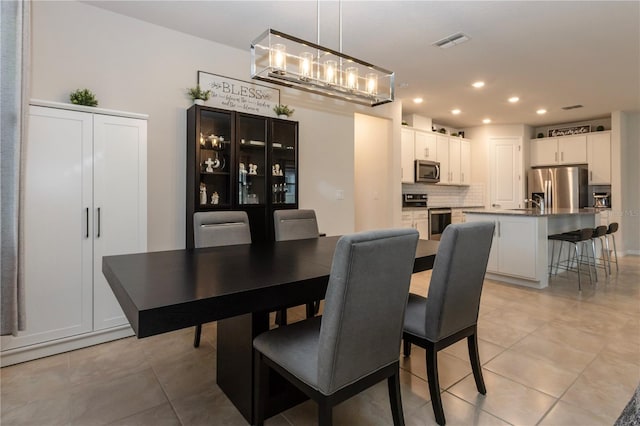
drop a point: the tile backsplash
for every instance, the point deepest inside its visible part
(449, 196)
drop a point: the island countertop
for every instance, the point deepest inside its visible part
(536, 212)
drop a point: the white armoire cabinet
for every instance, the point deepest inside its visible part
(85, 196)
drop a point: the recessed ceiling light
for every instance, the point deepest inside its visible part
(417, 100)
(478, 84)
(514, 99)
(541, 111)
(455, 111)
(486, 121)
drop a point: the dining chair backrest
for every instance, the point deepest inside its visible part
(295, 224)
(453, 300)
(364, 305)
(223, 228)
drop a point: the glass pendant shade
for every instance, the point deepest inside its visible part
(289, 61)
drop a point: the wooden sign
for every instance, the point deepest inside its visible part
(238, 95)
(567, 131)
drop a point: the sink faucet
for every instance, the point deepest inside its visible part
(539, 203)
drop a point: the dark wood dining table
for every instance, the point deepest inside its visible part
(235, 285)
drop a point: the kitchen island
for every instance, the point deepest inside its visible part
(521, 252)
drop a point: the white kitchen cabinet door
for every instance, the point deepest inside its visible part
(544, 152)
(120, 204)
(442, 155)
(57, 225)
(425, 146)
(407, 219)
(517, 241)
(599, 158)
(407, 155)
(421, 222)
(465, 162)
(455, 175)
(572, 149)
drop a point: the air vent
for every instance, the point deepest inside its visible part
(567, 108)
(452, 40)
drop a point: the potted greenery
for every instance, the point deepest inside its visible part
(83, 97)
(283, 111)
(197, 95)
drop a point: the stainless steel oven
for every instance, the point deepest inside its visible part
(439, 218)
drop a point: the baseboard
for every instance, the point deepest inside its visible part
(41, 350)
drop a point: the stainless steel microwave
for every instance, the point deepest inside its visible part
(427, 171)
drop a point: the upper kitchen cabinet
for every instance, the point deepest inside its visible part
(559, 151)
(425, 146)
(599, 158)
(454, 155)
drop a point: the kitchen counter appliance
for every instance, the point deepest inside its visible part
(414, 200)
(427, 171)
(601, 199)
(439, 219)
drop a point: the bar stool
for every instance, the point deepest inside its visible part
(575, 238)
(613, 228)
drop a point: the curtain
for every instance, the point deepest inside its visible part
(14, 77)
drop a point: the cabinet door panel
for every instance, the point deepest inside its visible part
(120, 203)
(599, 158)
(454, 161)
(465, 162)
(518, 239)
(57, 245)
(425, 146)
(573, 149)
(443, 158)
(407, 155)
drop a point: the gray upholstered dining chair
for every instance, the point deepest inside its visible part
(296, 224)
(450, 311)
(219, 228)
(355, 343)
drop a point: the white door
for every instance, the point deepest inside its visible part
(57, 226)
(507, 186)
(120, 203)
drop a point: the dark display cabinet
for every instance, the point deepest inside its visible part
(238, 161)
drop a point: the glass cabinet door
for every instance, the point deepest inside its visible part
(214, 159)
(284, 163)
(252, 165)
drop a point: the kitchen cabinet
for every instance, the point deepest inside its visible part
(85, 197)
(599, 158)
(457, 216)
(417, 219)
(559, 151)
(514, 250)
(239, 161)
(454, 155)
(425, 146)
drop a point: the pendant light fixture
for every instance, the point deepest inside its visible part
(286, 60)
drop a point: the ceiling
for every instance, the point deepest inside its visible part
(549, 54)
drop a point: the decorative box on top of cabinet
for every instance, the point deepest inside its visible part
(85, 197)
(239, 161)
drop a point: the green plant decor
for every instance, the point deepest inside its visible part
(197, 93)
(83, 97)
(283, 110)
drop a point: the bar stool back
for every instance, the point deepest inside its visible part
(613, 228)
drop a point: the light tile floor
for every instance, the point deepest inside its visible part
(550, 357)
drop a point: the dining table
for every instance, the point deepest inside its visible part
(237, 286)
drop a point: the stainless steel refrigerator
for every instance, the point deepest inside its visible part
(560, 187)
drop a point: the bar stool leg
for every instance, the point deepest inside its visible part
(606, 261)
(578, 268)
(560, 257)
(593, 251)
(553, 249)
(615, 251)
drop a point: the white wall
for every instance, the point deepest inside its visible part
(625, 142)
(135, 66)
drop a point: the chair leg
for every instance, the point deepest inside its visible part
(615, 251)
(325, 414)
(196, 337)
(395, 398)
(261, 379)
(476, 366)
(434, 383)
(406, 346)
(578, 269)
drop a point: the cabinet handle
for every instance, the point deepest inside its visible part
(556, 156)
(591, 175)
(426, 151)
(87, 233)
(462, 180)
(562, 156)
(98, 222)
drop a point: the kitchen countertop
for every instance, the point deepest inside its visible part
(443, 207)
(537, 213)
